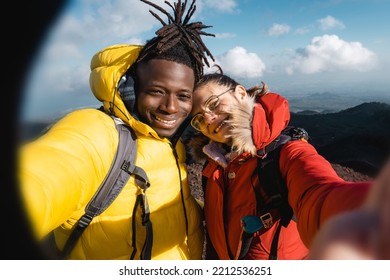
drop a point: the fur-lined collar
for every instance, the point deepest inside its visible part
(241, 118)
(241, 133)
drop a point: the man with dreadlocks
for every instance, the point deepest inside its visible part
(150, 89)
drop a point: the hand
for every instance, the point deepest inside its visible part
(361, 234)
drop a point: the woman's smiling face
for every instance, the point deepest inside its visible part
(164, 94)
(210, 106)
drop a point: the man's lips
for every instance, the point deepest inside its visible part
(164, 121)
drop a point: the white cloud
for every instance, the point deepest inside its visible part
(63, 64)
(59, 79)
(125, 18)
(329, 53)
(238, 62)
(228, 6)
(63, 49)
(112, 20)
(135, 41)
(302, 30)
(225, 35)
(277, 29)
(330, 22)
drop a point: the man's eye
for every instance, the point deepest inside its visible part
(185, 97)
(156, 92)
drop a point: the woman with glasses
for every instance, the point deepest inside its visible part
(238, 123)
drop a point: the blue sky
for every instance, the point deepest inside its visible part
(296, 47)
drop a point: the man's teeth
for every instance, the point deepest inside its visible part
(165, 121)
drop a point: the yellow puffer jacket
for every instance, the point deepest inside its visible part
(60, 172)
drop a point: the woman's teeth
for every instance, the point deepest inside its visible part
(219, 126)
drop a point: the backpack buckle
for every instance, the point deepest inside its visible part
(267, 220)
(128, 167)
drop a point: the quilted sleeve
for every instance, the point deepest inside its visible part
(316, 192)
(60, 171)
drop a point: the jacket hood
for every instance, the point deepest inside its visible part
(108, 69)
(256, 123)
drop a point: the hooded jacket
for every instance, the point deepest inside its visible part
(315, 191)
(60, 172)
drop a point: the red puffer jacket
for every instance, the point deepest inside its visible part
(316, 192)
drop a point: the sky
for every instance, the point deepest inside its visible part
(297, 47)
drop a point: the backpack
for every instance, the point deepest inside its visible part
(119, 173)
(276, 193)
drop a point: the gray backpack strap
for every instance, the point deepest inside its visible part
(120, 171)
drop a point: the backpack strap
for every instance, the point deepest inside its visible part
(121, 169)
(273, 184)
(146, 253)
(273, 254)
(275, 188)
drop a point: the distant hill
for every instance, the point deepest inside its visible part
(358, 137)
(327, 102)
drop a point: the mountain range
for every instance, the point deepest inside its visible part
(357, 137)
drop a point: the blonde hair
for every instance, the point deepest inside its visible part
(257, 90)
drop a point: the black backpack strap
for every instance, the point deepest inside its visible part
(275, 188)
(273, 254)
(142, 203)
(270, 177)
(146, 252)
(274, 185)
(121, 169)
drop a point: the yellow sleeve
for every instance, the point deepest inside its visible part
(60, 171)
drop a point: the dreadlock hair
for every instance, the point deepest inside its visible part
(178, 40)
(221, 79)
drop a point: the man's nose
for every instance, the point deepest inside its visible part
(171, 103)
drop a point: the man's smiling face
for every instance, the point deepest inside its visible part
(164, 94)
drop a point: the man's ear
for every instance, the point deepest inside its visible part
(126, 87)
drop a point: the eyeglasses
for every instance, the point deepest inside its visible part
(211, 104)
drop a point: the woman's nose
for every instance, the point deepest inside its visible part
(209, 117)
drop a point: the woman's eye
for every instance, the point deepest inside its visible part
(199, 118)
(213, 104)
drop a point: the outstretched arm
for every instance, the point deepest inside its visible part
(361, 234)
(315, 191)
(59, 172)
